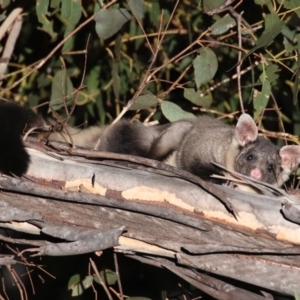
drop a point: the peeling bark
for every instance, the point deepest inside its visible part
(162, 219)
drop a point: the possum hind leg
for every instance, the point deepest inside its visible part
(126, 137)
(169, 139)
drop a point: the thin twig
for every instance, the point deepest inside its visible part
(118, 276)
(39, 64)
(148, 74)
(238, 67)
(142, 28)
(18, 282)
(100, 279)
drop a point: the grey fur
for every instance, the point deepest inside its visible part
(193, 144)
(210, 140)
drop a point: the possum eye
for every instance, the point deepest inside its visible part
(249, 157)
(270, 168)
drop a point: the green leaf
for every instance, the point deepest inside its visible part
(194, 96)
(116, 80)
(291, 5)
(184, 63)
(262, 2)
(174, 113)
(55, 3)
(297, 293)
(289, 47)
(74, 280)
(108, 276)
(205, 66)
(296, 84)
(110, 21)
(43, 80)
(4, 3)
(273, 26)
(42, 13)
(78, 286)
(271, 72)
(223, 25)
(87, 282)
(137, 7)
(144, 101)
(209, 5)
(61, 91)
(71, 13)
(260, 99)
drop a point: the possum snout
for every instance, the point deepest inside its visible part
(255, 173)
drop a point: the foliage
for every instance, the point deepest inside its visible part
(130, 57)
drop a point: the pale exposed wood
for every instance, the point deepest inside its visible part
(172, 219)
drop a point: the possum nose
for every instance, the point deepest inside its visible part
(255, 173)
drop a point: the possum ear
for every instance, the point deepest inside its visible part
(246, 130)
(290, 157)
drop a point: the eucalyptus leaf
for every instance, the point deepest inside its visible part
(271, 72)
(71, 13)
(4, 3)
(77, 290)
(260, 99)
(55, 3)
(288, 47)
(75, 279)
(296, 84)
(297, 293)
(205, 66)
(223, 25)
(87, 282)
(289, 33)
(293, 5)
(108, 276)
(194, 96)
(262, 2)
(173, 112)
(273, 26)
(144, 101)
(137, 6)
(61, 90)
(42, 11)
(116, 80)
(110, 21)
(209, 5)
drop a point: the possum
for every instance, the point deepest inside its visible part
(194, 144)
(191, 144)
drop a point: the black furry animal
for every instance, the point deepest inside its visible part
(14, 121)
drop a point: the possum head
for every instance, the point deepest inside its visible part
(254, 156)
(260, 160)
